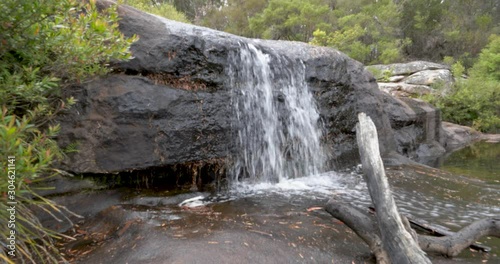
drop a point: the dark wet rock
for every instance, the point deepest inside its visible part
(417, 128)
(456, 136)
(171, 104)
(80, 206)
(242, 231)
(126, 122)
(61, 185)
(271, 227)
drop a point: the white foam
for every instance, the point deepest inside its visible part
(320, 185)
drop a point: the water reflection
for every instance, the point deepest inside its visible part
(480, 160)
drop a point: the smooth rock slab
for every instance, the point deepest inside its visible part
(407, 68)
(429, 77)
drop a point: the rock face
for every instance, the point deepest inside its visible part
(412, 78)
(456, 136)
(417, 124)
(171, 104)
(417, 128)
(124, 122)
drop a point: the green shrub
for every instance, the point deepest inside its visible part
(473, 103)
(44, 46)
(29, 152)
(476, 101)
(457, 69)
(488, 64)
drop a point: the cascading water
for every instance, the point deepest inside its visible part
(277, 120)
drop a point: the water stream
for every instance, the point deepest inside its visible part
(278, 134)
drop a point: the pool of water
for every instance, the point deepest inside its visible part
(480, 160)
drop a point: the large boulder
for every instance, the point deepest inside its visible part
(171, 104)
(417, 124)
(412, 79)
(430, 77)
(407, 68)
(417, 128)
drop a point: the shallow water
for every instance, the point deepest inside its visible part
(480, 160)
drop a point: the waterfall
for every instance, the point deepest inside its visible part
(277, 121)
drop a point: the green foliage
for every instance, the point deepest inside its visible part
(33, 153)
(386, 75)
(45, 46)
(476, 101)
(473, 103)
(160, 8)
(366, 33)
(194, 9)
(59, 38)
(448, 60)
(289, 20)
(234, 17)
(52, 44)
(421, 22)
(457, 69)
(488, 65)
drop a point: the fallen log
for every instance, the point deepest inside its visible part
(388, 234)
(439, 232)
(452, 245)
(432, 230)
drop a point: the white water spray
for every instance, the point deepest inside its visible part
(277, 119)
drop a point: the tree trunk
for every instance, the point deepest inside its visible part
(396, 241)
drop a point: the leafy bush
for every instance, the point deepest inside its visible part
(30, 153)
(45, 45)
(473, 103)
(488, 65)
(476, 101)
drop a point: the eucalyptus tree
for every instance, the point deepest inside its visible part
(291, 19)
(366, 30)
(234, 16)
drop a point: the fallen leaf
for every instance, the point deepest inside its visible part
(314, 208)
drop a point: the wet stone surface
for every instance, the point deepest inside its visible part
(282, 223)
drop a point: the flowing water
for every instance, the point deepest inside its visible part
(278, 134)
(280, 152)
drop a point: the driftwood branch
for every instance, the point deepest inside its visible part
(397, 242)
(436, 231)
(363, 224)
(388, 234)
(452, 245)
